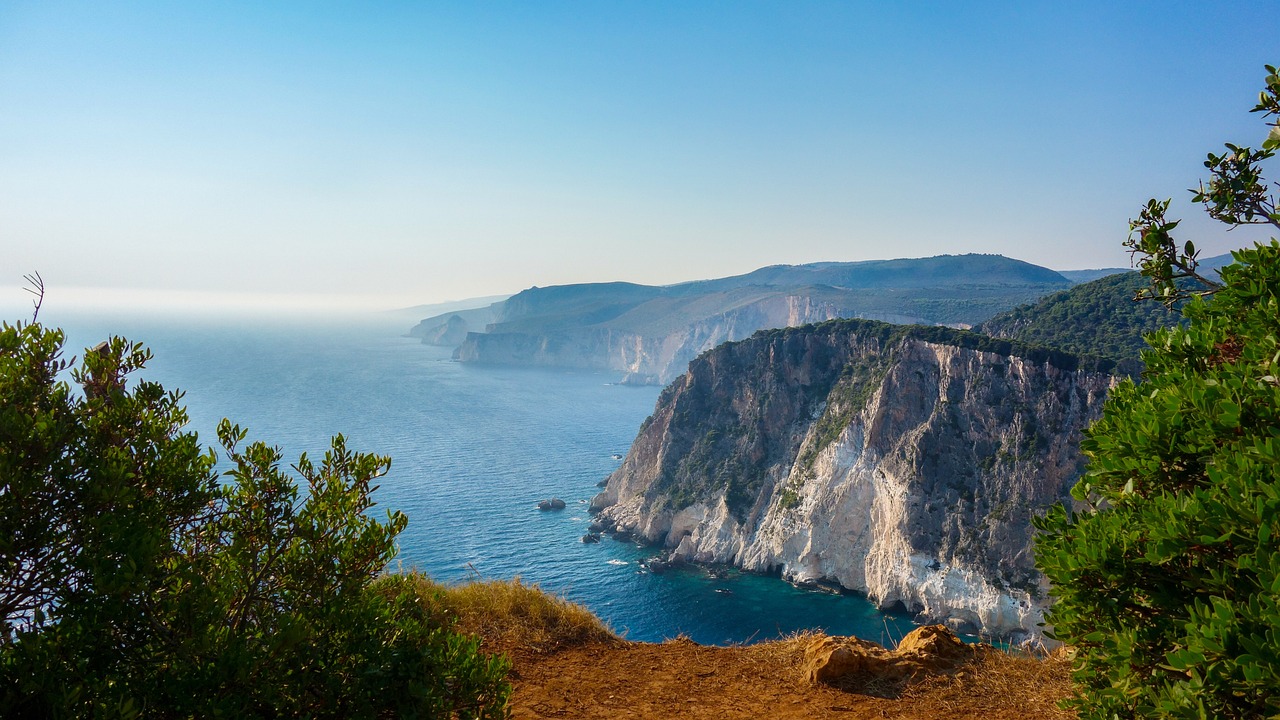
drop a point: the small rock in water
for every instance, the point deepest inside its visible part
(660, 565)
(552, 504)
(591, 538)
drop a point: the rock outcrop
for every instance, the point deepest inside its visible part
(450, 329)
(853, 664)
(900, 462)
(451, 332)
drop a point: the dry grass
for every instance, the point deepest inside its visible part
(508, 616)
(568, 660)
(786, 654)
(1003, 685)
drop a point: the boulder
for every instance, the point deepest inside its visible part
(552, 504)
(591, 538)
(850, 663)
(660, 565)
(936, 644)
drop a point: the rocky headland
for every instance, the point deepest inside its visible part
(900, 462)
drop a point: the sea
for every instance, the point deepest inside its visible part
(473, 448)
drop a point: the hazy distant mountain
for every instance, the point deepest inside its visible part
(1084, 276)
(939, 271)
(436, 309)
(1215, 263)
(650, 333)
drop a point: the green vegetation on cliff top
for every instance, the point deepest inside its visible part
(1097, 318)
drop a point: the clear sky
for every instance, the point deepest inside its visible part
(403, 153)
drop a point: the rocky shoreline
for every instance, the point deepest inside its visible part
(903, 469)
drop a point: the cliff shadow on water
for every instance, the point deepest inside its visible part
(902, 462)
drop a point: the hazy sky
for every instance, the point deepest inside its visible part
(402, 153)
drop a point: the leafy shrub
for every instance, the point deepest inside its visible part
(136, 582)
(1168, 583)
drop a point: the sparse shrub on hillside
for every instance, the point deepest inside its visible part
(134, 582)
(1168, 584)
(505, 614)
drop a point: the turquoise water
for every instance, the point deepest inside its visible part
(473, 449)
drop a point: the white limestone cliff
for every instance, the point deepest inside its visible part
(902, 468)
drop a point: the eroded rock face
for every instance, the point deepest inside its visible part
(851, 663)
(904, 468)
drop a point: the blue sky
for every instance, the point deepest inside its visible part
(399, 153)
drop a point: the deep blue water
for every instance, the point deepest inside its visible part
(473, 449)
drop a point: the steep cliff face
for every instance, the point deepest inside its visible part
(451, 328)
(904, 463)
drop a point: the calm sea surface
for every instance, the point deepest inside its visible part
(473, 449)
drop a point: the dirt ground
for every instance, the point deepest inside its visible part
(680, 679)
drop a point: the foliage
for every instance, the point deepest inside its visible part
(858, 381)
(137, 582)
(1097, 318)
(1168, 582)
(1236, 194)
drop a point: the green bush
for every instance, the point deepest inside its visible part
(1168, 582)
(137, 582)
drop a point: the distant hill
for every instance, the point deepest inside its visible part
(938, 271)
(1084, 276)
(1214, 263)
(1098, 318)
(649, 333)
(434, 309)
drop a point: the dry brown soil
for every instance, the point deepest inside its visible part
(680, 679)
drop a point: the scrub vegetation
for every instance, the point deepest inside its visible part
(135, 581)
(1168, 581)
